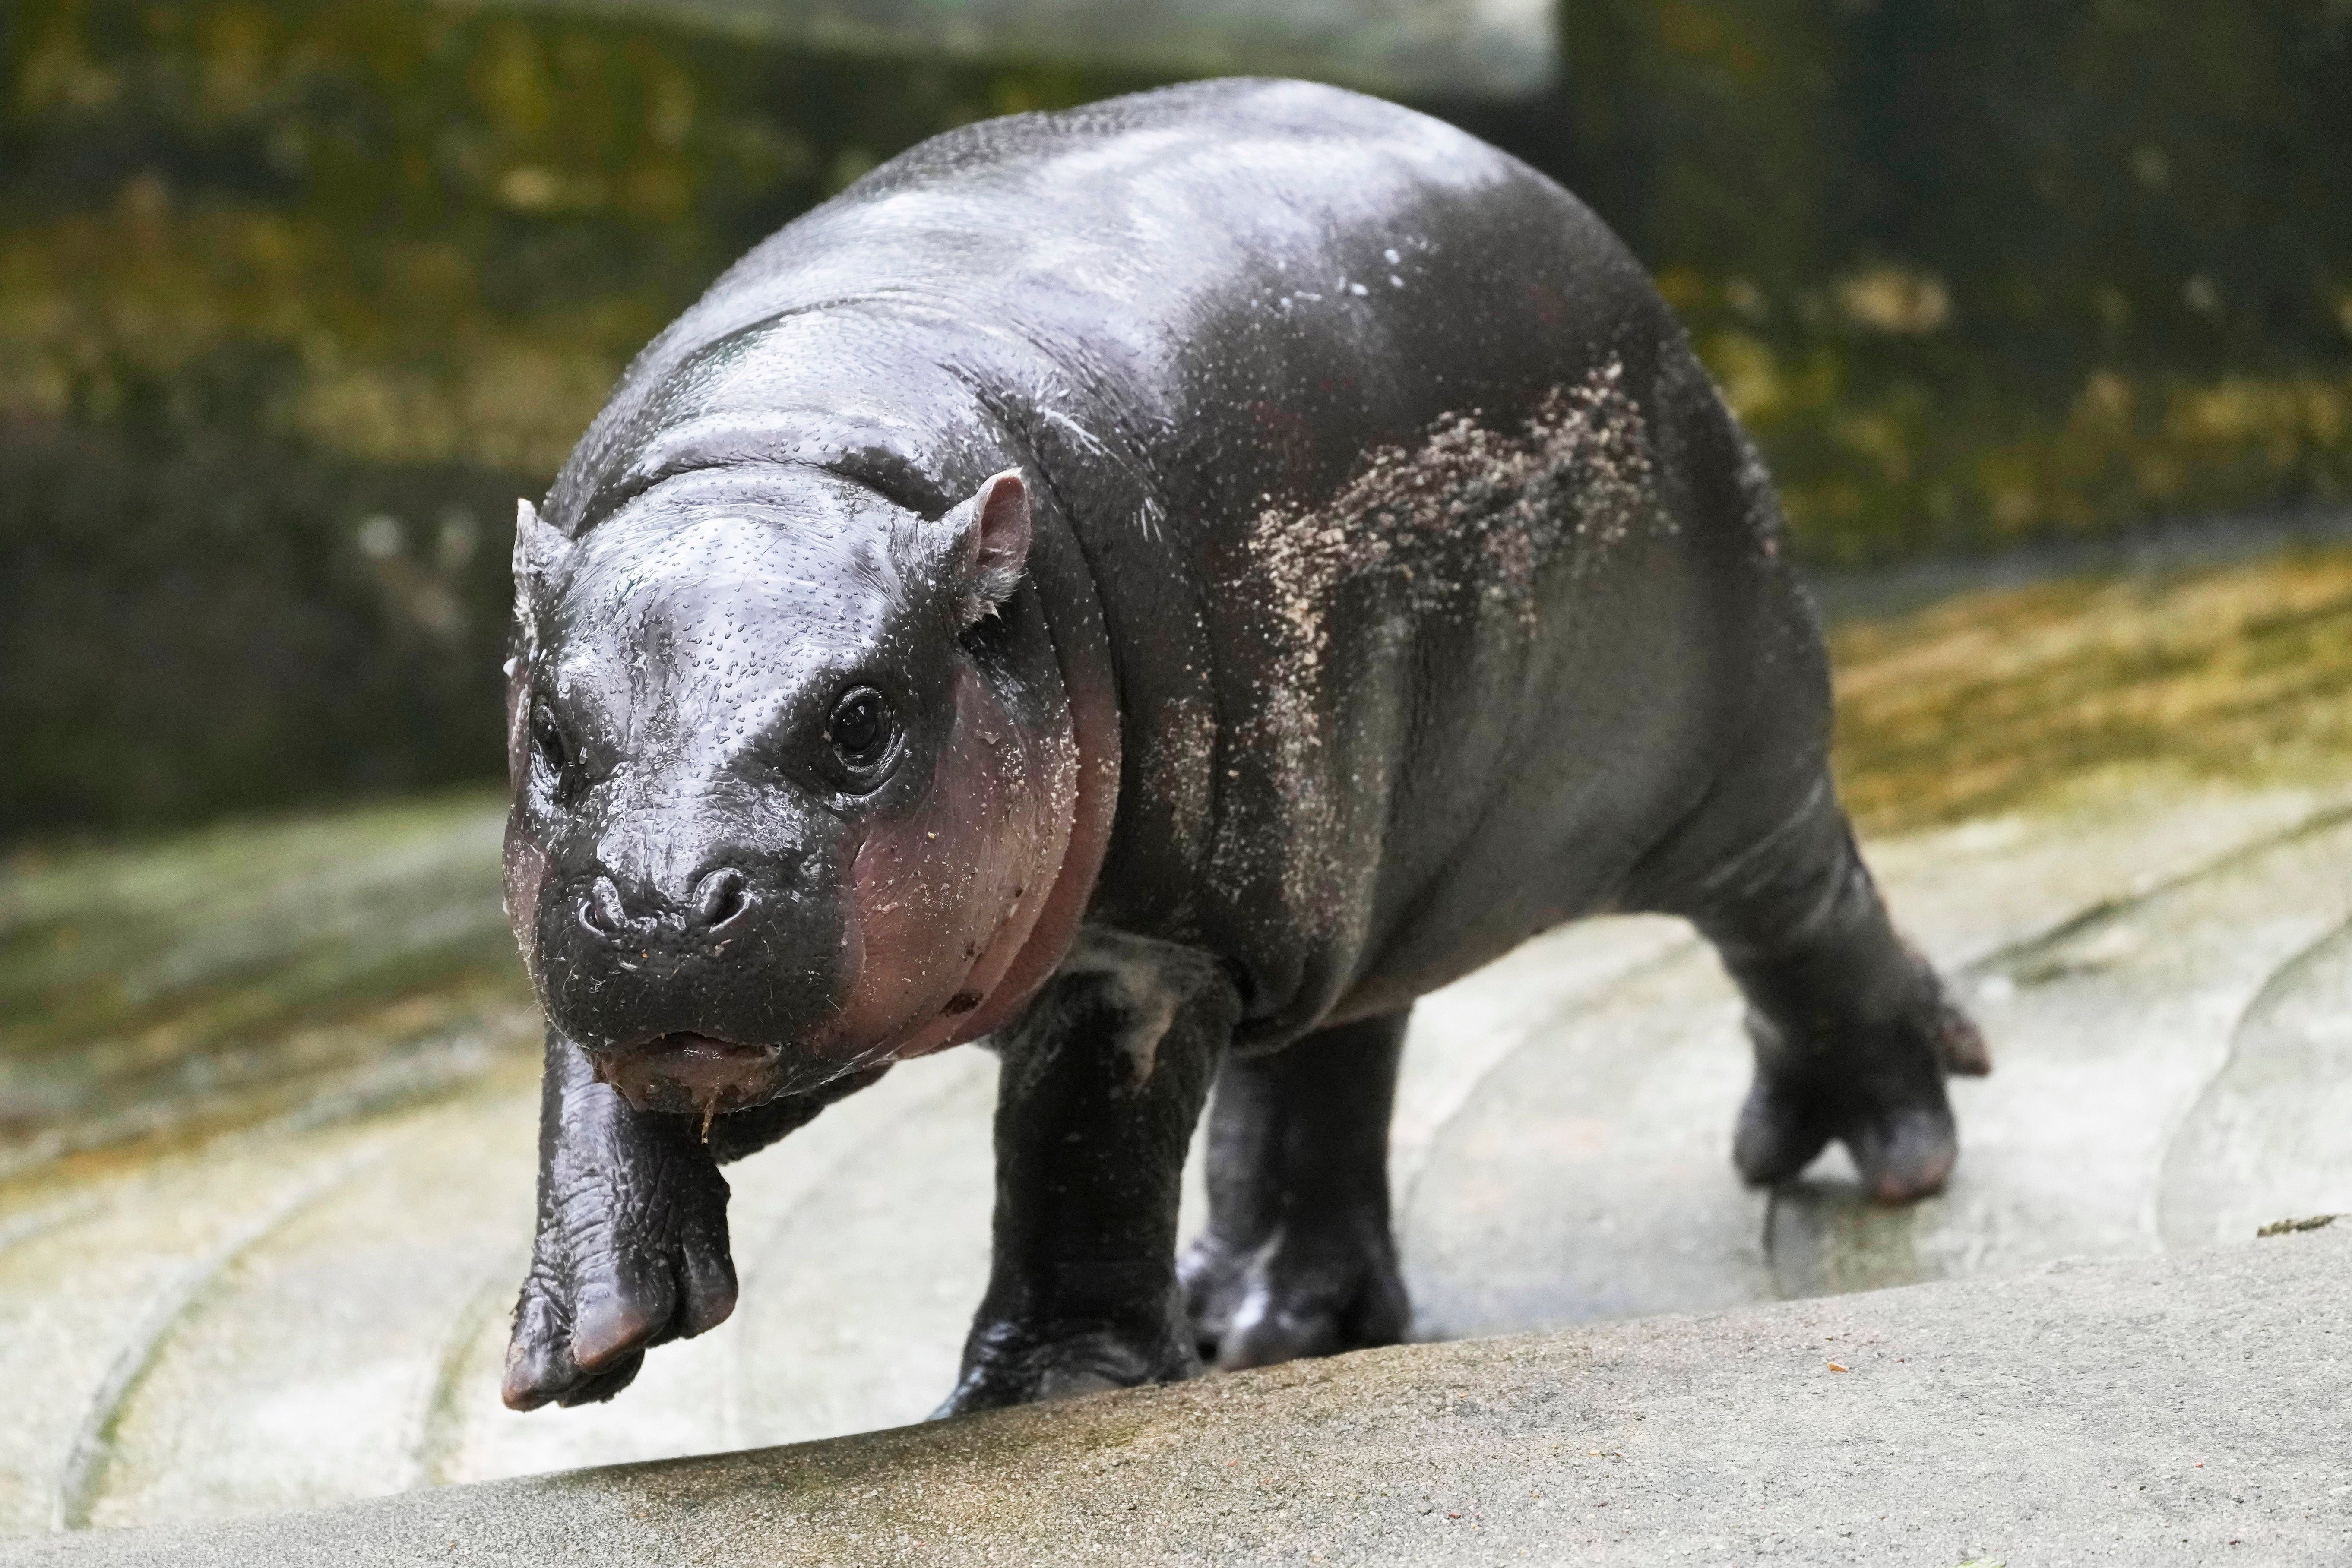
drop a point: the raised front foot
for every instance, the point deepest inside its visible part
(1314, 1290)
(1878, 1088)
(605, 1287)
(632, 1246)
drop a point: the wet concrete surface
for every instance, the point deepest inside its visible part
(258, 1244)
(2181, 1409)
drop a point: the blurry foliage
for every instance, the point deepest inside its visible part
(1992, 702)
(295, 294)
(190, 624)
(448, 229)
(1975, 271)
(295, 299)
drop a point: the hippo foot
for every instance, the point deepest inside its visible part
(609, 1281)
(1309, 1291)
(1904, 1152)
(1006, 1365)
(1880, 1094)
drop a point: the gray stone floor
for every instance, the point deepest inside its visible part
(2182, 1410)
(311, 1310)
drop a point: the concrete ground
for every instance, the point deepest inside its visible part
(267, 1104)
(2175, 1411)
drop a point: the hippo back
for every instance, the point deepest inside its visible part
(1428, 561)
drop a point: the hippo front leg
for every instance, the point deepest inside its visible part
(632, 1243)
(632, 1246)
(1104, 1078)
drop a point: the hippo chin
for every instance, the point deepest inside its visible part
(1158, 589)
(694, 1074)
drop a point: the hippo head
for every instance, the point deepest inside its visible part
(793, 775)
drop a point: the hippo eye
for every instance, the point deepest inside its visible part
(548, 740)
(860, 728)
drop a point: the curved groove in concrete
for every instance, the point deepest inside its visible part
(83, 1475)
(441, 1431)
(1588, 1176)
(2179, 1409)
(2018, 950)
(2104, 910)
(2235, 1154)
(1532, 1029)
(754, 1262)
(1821, 1237)
(415, 1074)
(918, 1284)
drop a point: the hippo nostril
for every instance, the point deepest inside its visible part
(720, 899)
(601, 911)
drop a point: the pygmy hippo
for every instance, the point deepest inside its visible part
(1155, 587)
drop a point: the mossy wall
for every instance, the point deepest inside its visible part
(1982, 271)
(296, 296)
(295, 300)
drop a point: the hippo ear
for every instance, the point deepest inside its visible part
(538, 547)
(990, 545)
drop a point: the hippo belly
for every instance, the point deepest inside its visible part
(1155, 587)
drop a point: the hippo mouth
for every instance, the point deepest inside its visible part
(696, 1074)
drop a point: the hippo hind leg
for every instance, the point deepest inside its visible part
(1298, 1258)
(1854, 1032)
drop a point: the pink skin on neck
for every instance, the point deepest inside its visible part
(904, 964)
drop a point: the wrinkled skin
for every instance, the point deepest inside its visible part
(1159, 589)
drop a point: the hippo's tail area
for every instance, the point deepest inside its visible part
(1727, 473)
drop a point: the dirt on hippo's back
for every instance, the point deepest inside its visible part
(1463, 524)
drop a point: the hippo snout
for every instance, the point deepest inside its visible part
(719, 901)
(702, 989)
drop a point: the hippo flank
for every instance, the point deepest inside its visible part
(1156, 588)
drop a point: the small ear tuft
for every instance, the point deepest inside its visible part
(991, 534)
(538, 547)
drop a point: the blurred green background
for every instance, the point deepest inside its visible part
(297, 297)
